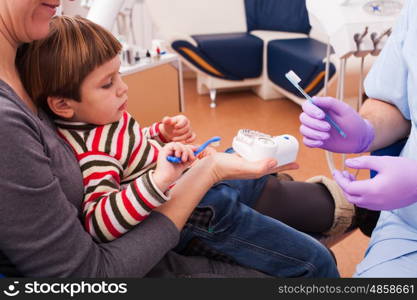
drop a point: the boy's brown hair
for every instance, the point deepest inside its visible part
(57, 65)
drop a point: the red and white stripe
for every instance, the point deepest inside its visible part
(109, 166)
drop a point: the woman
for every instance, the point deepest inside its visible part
(41, 234)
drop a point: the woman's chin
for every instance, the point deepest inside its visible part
(38, 32)
(39, 26)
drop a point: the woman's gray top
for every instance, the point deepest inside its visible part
(41, 194)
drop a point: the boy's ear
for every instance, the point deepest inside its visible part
(61, 107)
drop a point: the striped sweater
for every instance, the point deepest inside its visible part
(117, 161)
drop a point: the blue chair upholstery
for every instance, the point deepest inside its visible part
(239, 53)
(232, 56)
(279, 15)
(239, 56)
(200, 60)
(305, 57)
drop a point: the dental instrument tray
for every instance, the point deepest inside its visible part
(253, 145)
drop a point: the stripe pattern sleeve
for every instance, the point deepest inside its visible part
(116, 165)
(154, 132)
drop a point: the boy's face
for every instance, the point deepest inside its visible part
(103, 95)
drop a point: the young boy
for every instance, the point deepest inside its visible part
(74, 73)
(116, 156)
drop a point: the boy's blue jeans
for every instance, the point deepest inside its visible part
(255, 240)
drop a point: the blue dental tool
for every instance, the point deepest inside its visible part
(200, 149)
(294, 79)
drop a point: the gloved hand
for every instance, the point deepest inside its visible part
(318, 133)
(395, 185)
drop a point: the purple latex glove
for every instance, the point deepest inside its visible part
(394, 186)
(318, 133)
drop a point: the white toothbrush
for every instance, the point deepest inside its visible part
(295, 80)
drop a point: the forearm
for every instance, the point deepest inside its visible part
(188, 192)
(388, 122)
(194, 184)
(106, 222)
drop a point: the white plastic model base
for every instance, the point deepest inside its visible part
(253, 146)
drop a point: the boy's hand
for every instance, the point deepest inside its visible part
(177, 129)
(166, 173)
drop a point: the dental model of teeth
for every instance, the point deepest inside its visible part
(253, 145)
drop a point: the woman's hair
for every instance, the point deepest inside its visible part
(57, 65)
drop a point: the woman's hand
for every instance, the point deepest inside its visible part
(177, 129)
(166, 173)
(194, 184)
(207, 152)
(232, 166)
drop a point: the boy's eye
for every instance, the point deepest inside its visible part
(108, 85)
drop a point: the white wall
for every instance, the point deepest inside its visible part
(142, 24)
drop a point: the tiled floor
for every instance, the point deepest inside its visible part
(236, 110)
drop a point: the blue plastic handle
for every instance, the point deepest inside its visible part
(177, 160)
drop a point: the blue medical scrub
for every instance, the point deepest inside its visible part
(392, 251)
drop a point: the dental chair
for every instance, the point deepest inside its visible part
(243, 43)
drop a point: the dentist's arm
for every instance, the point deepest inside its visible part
(387, 121)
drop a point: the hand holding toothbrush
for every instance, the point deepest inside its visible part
(166, 173)
(214, 140)
(174, 158)
(331, 124)
(318, 133)
(295, 80)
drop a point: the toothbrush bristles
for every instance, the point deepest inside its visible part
(291, 74)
